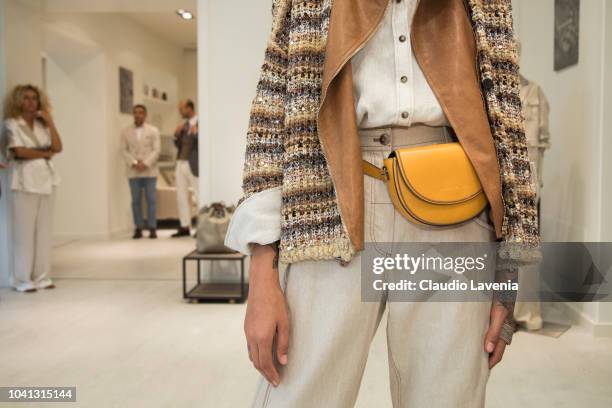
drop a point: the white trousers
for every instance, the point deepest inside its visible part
(435, 349)
(32, 214)
(185, 180)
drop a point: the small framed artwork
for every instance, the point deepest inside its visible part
(567, 33)
(145, 90)
(126, 90)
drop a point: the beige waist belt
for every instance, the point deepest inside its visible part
(385, 137)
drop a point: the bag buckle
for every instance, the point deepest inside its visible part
(385, 172)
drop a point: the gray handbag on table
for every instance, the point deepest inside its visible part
(213, 221)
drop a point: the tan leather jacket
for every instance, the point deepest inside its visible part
(444, 46)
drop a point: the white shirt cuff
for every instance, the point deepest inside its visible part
(256, 220)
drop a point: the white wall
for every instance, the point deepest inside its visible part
(23, 63)
(606, 233)
(81, 204)
(572, 172)
(231, 39)
(576, 195)
(189, 77)
(605, 309)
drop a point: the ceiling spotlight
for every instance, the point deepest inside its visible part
(184, 14)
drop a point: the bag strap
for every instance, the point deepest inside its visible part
(374, 171)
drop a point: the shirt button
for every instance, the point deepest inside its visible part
(402, 38)
(405, 115)
(384, 139)
(404, 79)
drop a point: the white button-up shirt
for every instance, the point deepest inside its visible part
(31, 176)
(389, 86)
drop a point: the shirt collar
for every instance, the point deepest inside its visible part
(193, 120)
(22, 122)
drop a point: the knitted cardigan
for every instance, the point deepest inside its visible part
(283, 149)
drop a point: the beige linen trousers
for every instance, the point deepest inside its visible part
(435, 349)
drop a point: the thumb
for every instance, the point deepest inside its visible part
(498, 315)
(282, 342)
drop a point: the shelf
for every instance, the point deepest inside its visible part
(217, 292)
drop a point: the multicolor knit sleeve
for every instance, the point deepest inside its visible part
(257, 217)
(263, 165)
(499, 76)
(500, 83)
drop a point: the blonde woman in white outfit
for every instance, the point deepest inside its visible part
(32, 142)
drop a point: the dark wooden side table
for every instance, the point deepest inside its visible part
(211, 291)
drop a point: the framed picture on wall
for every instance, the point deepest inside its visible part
(567, 33)
(126, 90)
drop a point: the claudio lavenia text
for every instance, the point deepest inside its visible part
(451, 286)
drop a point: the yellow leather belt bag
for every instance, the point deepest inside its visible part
(433, 184)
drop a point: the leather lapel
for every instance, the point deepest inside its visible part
(352, 23)
(444, 46)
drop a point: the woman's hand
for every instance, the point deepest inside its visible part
(494, 344)
(45, 117)
(267, 314)
(56, 141)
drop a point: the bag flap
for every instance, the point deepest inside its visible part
(438, 173)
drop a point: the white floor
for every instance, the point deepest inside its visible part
(117, 328)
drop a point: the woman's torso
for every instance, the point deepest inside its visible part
(32, 176)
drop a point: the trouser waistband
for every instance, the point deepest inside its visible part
(391, 137)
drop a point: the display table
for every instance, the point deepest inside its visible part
(211, 291)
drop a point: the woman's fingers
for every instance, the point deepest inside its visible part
(497, 354)
(493, 344)
(282, 341)
(498, 315)
(266, 364)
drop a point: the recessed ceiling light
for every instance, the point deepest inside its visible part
(184, 14)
